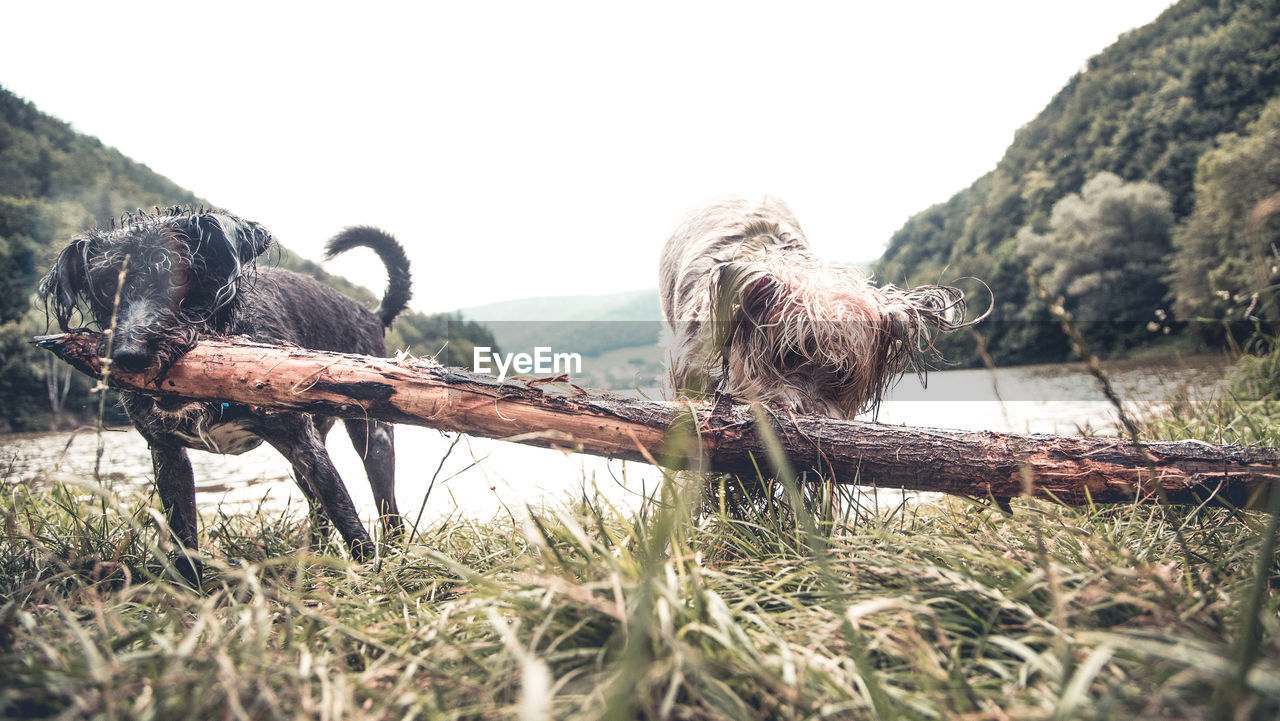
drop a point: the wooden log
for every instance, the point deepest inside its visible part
(422, 392)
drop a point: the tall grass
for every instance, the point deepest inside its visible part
(1247, 412)
(584, 611)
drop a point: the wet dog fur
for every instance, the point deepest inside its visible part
(155, 283)
(754, 314)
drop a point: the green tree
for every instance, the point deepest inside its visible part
(1225, 265)
(1105, 255)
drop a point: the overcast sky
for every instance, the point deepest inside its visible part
(524, 149)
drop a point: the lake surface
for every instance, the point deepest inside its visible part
(480, 478)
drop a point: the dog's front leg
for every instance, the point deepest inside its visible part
(176, 485)
(299, 441)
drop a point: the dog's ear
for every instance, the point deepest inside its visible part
(224, 248)
(243, 239)
(67, 282)
(743, 286)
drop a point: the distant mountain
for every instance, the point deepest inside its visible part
(616, 334)
(586, 324)
(1147, 108)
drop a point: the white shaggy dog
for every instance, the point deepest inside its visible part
(754, 314)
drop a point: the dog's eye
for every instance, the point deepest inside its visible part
(792, 358)
(103, 285)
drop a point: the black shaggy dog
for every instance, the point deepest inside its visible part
(155, 283)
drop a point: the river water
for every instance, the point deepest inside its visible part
(479, 478)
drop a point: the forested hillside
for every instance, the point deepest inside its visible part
(1098, 194)
(54, 183)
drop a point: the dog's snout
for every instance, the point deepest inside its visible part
(131, 357)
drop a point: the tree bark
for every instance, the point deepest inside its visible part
(558, 415)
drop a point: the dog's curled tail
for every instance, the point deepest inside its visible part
(399, 287)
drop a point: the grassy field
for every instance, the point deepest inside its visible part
(918, 611)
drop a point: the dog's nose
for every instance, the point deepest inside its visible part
(131, 358)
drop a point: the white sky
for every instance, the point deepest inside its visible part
(525, 149)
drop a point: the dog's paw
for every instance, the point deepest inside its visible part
(363, 550)
(190, 567)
